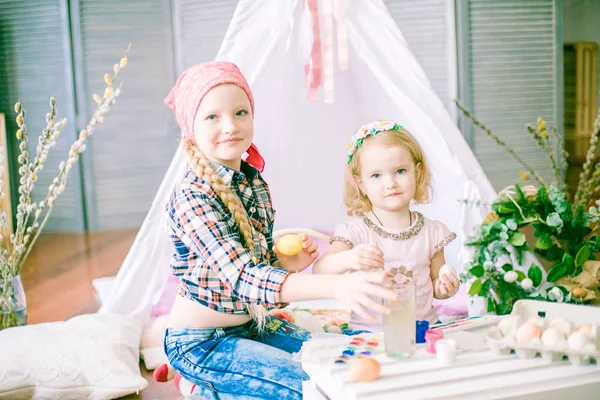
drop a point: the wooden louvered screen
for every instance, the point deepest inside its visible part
(513, 80)
(201, 29)
(35, 64)
(131, 151)
(427, 26)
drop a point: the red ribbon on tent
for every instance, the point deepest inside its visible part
(313, 68)
(319, 69)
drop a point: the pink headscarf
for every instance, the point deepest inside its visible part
(191, 87)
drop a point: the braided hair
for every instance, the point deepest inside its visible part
(200, 165)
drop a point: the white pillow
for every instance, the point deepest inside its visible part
(92, 356)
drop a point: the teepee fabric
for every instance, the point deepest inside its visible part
(304, 142)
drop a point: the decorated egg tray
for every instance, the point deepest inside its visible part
(550, 330)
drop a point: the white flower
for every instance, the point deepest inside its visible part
(527, 284)
(556, 294)
(510, 276)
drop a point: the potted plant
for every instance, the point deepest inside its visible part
(32, 214)
(566, 233)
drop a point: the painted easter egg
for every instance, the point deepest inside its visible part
(289, 245)
(364, 369)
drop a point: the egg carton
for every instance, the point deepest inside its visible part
(544, 312)
(503, 346)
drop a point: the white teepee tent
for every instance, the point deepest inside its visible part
(304, 142)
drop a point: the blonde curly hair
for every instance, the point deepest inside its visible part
(355, 201)
(200, 165)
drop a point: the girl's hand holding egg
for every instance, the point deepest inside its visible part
(290, 245)
(446, 284)
(296, 252)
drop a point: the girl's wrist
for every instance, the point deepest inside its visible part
(436, 294)
(345, 262)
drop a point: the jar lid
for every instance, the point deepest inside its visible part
(437, 334)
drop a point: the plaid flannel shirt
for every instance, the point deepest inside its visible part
(215, 268)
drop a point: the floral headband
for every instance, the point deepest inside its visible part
(367, 130)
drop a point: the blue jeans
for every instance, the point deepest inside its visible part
(236, 362)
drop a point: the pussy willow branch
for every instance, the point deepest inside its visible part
(501, 143)
(584, 191)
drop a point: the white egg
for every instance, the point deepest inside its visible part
(508, 325)
(334, 329)
(447, 270)
(553, 337)
(309, 322)
(562, 325)
(577, 340)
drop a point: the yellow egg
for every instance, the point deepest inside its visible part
(289, 245)
(364, 369)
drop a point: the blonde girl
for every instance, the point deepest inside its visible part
(386, 173)
(220, 219)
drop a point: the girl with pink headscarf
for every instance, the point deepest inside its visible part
(220, 218)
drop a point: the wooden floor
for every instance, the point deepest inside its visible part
(58, 283)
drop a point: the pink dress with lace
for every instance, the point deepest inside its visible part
(404, 250)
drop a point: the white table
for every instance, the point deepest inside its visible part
(476, 374)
